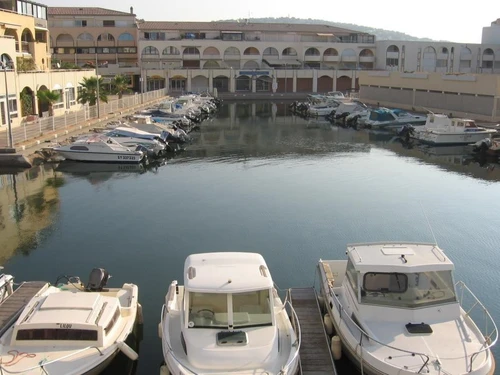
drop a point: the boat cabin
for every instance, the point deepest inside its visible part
(66, 318)
(227, 291)
(409, 276)
(460, 125)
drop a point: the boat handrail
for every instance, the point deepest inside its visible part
(284, 369)
(166, 340)
(42, 364)
(490, 334)
(343, 313)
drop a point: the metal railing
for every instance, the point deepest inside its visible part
(471, 305)
(41, 126)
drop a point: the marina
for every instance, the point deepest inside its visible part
(255, 178)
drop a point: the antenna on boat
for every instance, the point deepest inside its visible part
(428, 223)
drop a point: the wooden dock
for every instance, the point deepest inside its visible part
(11, 307)
(315, 354)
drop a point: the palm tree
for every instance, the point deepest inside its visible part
(49, 97)
(89, 91)
(120, 85)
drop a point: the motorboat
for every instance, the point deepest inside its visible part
(69, 328)
(439, 129)
(384, 118)
(100, 148)
(398, 310)
(6, 285)
(130, 136)
(228, 318)
(345, 109)
(487, 145)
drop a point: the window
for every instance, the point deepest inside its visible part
(81, 23)
(126, 36)
(289, 52)
(154, 36)
(106, 37)
(13, 106)
(191, 51)
(150, 51)
(108, 23)
(252, 309)
(57, 334)
(207, 310)
(171, 51)
(392, 62)
(413, 290)
(232, 36)
(127, 50)
(352, 276)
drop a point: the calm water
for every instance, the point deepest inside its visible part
(258, 179)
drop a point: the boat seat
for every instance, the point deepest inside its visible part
(329, 274)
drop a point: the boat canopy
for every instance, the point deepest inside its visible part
(381, 114)
(226, 273)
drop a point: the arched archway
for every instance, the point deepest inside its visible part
(64, 38)
(211, 64)
(251, 64)
(211, 52)
(177, 83)
(43, 107)
(105, 37)
(252, 51)
(366, 59)
(487, 60)
(330, 52)
(170, 51)
(263, 83)
(26, 38)
(392, 57)
(13, 33)
(7, 61)
(270, 52)
(150, 51)
(125, 37)
(85, 37)
(344, 83)
(348, 58)
(429, 58)
(243, 83)
(289, 51)
(221, 83)
(199, 83)
(232, 53)
(465, 60)
(27, 98)
(325, 84)
(312, 52)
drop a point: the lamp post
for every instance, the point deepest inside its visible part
(97, 85)
(9, 121)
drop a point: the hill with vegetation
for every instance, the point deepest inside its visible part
(380, 34)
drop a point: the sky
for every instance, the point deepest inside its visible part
(434, 19)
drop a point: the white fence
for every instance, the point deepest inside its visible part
(44, 125)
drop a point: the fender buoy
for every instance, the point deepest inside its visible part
(328, 324)
(336, 347)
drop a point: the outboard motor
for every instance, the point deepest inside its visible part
(97, 280)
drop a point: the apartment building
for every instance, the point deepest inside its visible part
(26, 62)
(86, 36)
(253, 57)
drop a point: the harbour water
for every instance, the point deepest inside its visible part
(257, 179)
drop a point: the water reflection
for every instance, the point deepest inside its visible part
(29, 202)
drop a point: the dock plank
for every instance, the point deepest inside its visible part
(315, 355)
(12, 305)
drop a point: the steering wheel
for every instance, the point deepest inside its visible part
(206, 310)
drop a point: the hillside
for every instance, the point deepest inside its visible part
(380, 34)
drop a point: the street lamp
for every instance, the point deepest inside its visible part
(9, 121)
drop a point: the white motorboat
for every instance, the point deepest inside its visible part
(227, 318)
(70, 328)
(384, 118)
(439, 129)
(398, 311)
(100, 148)
(132, 136)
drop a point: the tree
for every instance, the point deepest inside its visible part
(89, 91)
(119, 85)
(49, 97)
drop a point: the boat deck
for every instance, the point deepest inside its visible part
(315, 354)
(11, 307)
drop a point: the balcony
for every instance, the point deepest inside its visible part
(349, 58)
(392, 55)
(328, 58)
(366, 59)
(488, 57)
(191, 57)
(312, 58)
(442, 56)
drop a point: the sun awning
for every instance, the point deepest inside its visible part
(324, 34)
(280, 63)
(57, 87)
(41, 28)
(69, 85)
(231, 32)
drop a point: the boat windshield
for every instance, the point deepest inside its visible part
(411, 290)
(211, 310)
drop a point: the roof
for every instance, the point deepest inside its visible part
(398, 257)
(85, 11)
(242, 26)
(230, 272)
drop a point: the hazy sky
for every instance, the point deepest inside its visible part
(437, 19)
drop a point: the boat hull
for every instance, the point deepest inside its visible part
(97, 157)
(438, 138)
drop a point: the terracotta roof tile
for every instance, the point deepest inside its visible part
(236, 26)
(85, 11)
